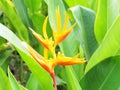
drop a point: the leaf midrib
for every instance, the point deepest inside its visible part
(105, 80)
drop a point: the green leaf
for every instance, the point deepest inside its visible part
(34, 13)
(8, 9)
(2, 40)
(4, 55)
(13, 82)
(69, 50)
(106, 14)
(4, 82)
(72, 79)
(101, 20)
(22, 12)
(104, 76)
(113, 11)
(32, 83)
(60, 81)
(85, 30)
(72, 3)
(93, 4)
(33, 6)
(22, 88)
(109, 46)
(43, 77)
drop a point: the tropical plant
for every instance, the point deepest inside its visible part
(65, 29)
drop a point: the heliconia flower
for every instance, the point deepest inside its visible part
(50, 44)
(49, 64)
(38, 58)
(52, 62)
(59, 35)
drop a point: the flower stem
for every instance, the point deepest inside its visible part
(54, 80)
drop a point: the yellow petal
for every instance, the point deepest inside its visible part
(66, 22)
(71, 28)
(62, 60)
(58, 20)
(44, 28)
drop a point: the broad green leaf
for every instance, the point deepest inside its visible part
(22, 12)
(13, 82)
(104, 76)
(109, 46)
(43, 77)
(32, 83)
(112, 11)
(85, 30)
(101, 20)
(4, 82)
(8, 9)
(93, 4)
(70, 45)
(106, 13)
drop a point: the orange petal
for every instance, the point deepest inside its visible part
(37, 57)
(40, 39)
(64, 34)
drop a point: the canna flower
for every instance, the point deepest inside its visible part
(50, 44)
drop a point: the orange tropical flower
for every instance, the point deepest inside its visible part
(50, 44)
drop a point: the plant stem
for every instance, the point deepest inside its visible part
(54, 80)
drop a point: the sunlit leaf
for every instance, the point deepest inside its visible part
(4, 82)
(8, 9)
(109, 46)
(104, 76)
(43, 77)
(107, 11)
(85, 30)
(32, 83)
(13, 82)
